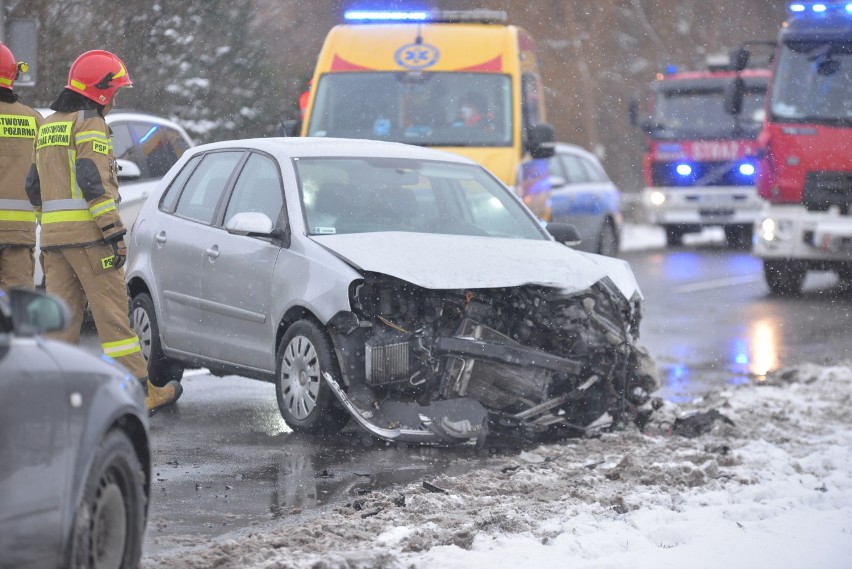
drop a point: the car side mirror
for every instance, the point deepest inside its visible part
(128, 170)
(557, 181)
(541, 141)
(288, 127)
(648, 126)
(633, 112)
(734, 93)
(564, 233)
(34, 312)
(250, 223)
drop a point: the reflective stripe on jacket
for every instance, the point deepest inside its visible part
(18, 127)
(74, 186)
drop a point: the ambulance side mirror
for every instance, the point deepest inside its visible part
(541, 141)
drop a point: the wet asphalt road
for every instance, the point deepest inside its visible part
(224, 461)
(709, 318)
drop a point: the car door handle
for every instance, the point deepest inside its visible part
(161, 237)
(213, 251)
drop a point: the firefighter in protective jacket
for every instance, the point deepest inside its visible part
(18, 126)
(73, 186)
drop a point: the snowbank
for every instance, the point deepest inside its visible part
(773, 489)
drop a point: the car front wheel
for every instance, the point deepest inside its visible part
(304, 399)
(161, 369)
(110, 520)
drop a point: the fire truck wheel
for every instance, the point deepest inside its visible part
(785, 277)
(738, 236)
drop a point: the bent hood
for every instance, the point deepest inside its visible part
(448, 262)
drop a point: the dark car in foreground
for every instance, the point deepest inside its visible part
(401, 287)
(74, 454)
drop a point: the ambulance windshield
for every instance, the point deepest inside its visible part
(422, 108)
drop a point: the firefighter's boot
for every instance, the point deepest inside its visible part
(158, 397)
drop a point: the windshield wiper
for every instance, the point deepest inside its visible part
(827, 121)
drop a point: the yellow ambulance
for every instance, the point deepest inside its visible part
(462, 81)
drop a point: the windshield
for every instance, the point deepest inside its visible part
(700, 113)
(813, 83)
(360, 195)
(427, 109)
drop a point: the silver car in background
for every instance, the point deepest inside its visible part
(584, 196)
(397, 286)
(145, 146)
(75, 462)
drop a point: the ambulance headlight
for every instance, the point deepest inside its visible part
(657, 198)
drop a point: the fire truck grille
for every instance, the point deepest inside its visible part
(703, 174)
(826, 189)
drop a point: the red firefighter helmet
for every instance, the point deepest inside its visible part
(8, 67)
(97, 75)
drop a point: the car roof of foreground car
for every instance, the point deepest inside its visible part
(310, 147)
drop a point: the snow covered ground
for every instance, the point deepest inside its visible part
(771, 488)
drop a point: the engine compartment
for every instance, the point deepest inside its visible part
(542, 362)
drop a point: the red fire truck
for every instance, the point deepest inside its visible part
(805, 149)
(700, 161)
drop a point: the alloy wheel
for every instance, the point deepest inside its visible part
(300, 377)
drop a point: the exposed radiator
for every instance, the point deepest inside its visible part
(387, 363)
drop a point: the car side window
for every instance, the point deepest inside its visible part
(595, 171)
(258, 189)
(169, 199)
(200, 195)
(575, 173)
(554, 167)
(161, 147)
(122, 142)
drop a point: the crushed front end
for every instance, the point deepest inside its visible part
(453, 366)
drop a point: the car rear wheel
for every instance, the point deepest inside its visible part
(784, 277)
(161, 369)
(674, 235)
(608, 241)
(110, 520)
(304, 399)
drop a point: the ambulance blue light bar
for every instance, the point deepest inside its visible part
(437, 16)
(378, 16)
(804, 8)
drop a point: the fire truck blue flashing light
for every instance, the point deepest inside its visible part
(819, 7)
(747, 169)
(683, 169)
(375, 15)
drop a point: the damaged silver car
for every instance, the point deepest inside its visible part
(400, 287)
